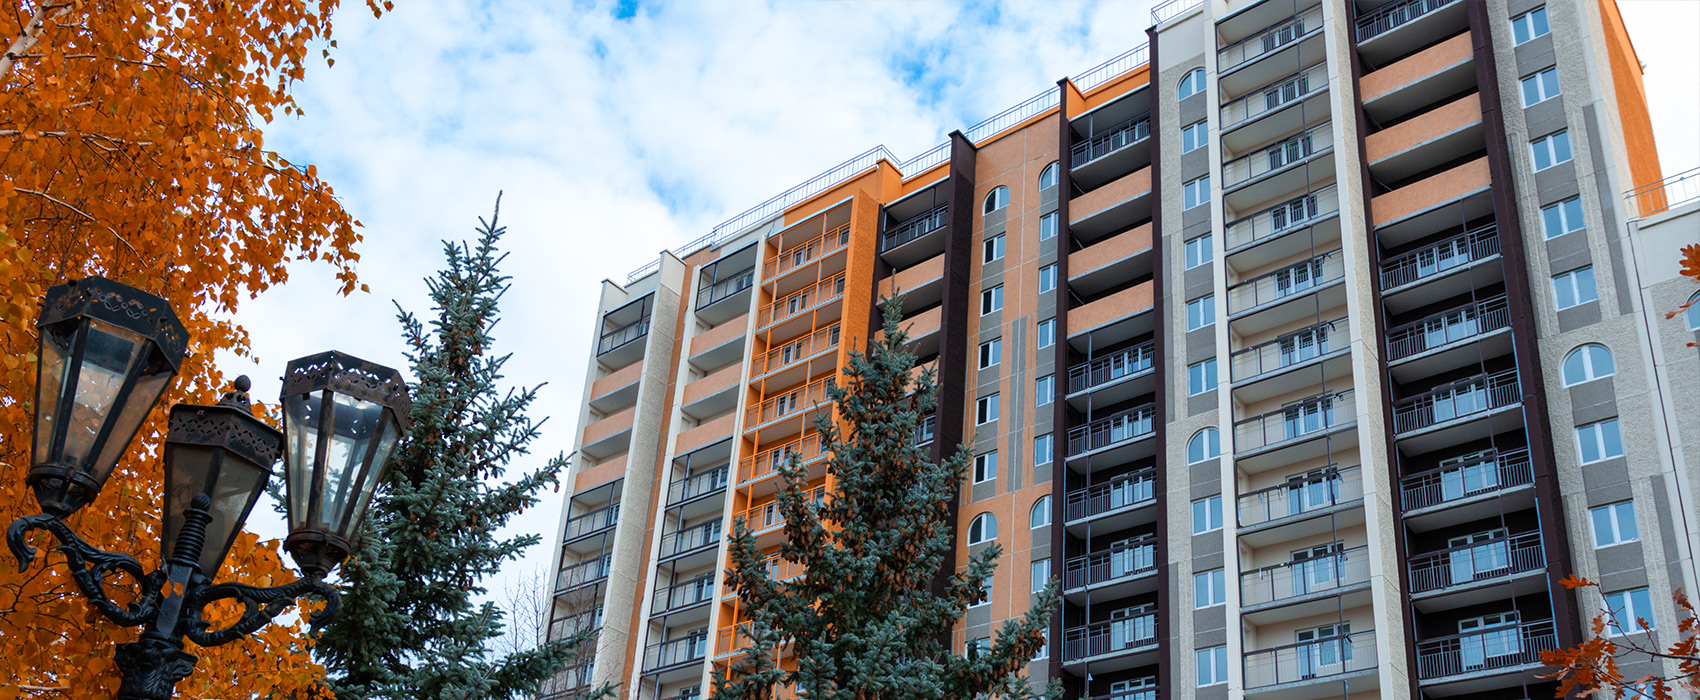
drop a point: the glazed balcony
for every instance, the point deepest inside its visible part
(1477, 564)
(1250, 118)
(1260, 238)
(1291, 433)
(1287, 33)
(727, 288)
(674, 653)
(683, 596)
(1487, 477)
(1112, 574)
(1120, 495)
(1105, 435)
(915, 227)
(1493, 651)
(791, 403)
(562, 628)
(1272, 170)
(1444, 259)
(1296, 581)
(1113, 644)
(800, 302)
(1403, 215)
(1264, 370)
(575, 576)
(1449, 340)
(1458, 401)
(815, 346)
(1412, 83)
(1305, 663)
(1270, 300)
(569, 683)
(696, 486)
(622, 336)
(596, 522)
(690, 540)
(1300, 497)
(1115, 377)
(807, 253)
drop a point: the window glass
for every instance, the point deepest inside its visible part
(1044, 390)
(1205, 444)
(1693, 312)
(1560, 218)
(1047, 278)
(1207, 589)
(1614, 523)
(985, 467)
(1206, 515)
(1201, 377)
(1047, 332)
(1574, 288)
(1201, 312)
(1191, 85)
(1630, 609)
(1212, 666)
(1198, 251)
(1196, 193)
(993, 249)
(986, 410)
(997, 199)
(984, 528)
(1040, 515)
(1041, 576)
(1529, 25)
(991, 300)
(1195, 136)
(1540, 87)
(1042, 450)
(1048, 176)
(991, 353)
(1047, 227)
(1550, 150)
(1586, 363)
(1599, 441)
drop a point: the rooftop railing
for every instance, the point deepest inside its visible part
(1330, 656)
(1293, 579)
(1116, 365)
(1460, 399)
(1287, 216)
(1288, 281)
(1122, 491)
(1280, 93)
(1299, 146)
(1171, 9)
(1111, 140)
(1117, 428)
(1292, 422)
(1671, 192)
(1286, 350)
(1001, 121)
(1509, 646)
(1477, 561)
(1119, 561)
(1447, 327)
(1302, 494)
(915, 227)
(1109, 70)
(1486, 473)
(1394, 15)
(1110, 636)
(1428, 261)
(1269, 40)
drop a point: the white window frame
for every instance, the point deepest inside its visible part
(1201, 313)
(1042, 457)
(991, 300)
(986, 408)
(991, 353)
(1547, 146)
(1048, 226)
(1047, 332)
(1045, 390)
(1541, 80)
(1618, 519)
(1562, 212)
(1212, 446)
(1199, 251)
(1624, 607)
(1195, 193)
(1201, 377)
(986, 467)
(1039, 575)
(977, 646)
(979, 525)
(1050, 172)
(1195, 136)
(1588, 356)
(996, 199)
(1215, 659)
(992, 249)
(1209, 589)
(1528, 20)
(1210, 510)
(1041, 506)
(1569, 281)
(1594, 434)
(1191, 84)
(1048, 278)
(1693, 312)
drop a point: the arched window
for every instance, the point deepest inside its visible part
(1205, 444)
(1048, 176)
(983, 529)
(996, 199)
(1694, 312)
(1587, 363)
(1191, 85)
(1040, 516)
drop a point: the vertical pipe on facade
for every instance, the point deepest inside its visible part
(1059, 416)
(1160, 417)
(1549, 508)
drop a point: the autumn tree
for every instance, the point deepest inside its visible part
(132, 148)
(1595, 667)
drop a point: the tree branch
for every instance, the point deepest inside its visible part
(81, 213)
(31, 34)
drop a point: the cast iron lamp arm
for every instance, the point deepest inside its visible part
(89, 568)
(259, 606)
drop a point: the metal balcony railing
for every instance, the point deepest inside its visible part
(1120, 427)
(1110, 636)
(1121, 561)
(1286, 350)
(690, 539)
(807, 252)
(1451, 326)
(1477, 561)
(1331, 656)
(1287, 281)
(683, 595)
(582, 573)
(1673, 191)
(1171, 9)
(915, 227)
(1280, 93)
(1300, 578)
(1111, 140)
(1303, 493)
(696, 485)
(1128, 489)
(1478, 394)
(619, 337)
(1292, 214)
(1116, 365)
(568, 683)
(1291, 422)
(570, 625)
(1269, 40)
(737, 282)
(1490, 649)
(800, 301)
(767, 516)
(789, 403)
(675, 652)
(1146, 689)
(1428, 261)
(1484, 474)
(587, 524)
(768, 462)
(795, 351)
(1318, 139)
(732, 641)
(1391, 16)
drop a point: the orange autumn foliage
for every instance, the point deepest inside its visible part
(130, 147)
(1595, 668)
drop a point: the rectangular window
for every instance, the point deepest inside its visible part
(1631, 608)
(978, 646)
(991, 300)
(1047, 227)
(1562, 217)
(1198, 251)
(1044, 390)
(986, 410)
(1540, 87)
(1044, 649)
(1196, 192)
(1042, 450)
(1201, 377)
(985, 467)
(1041, 574)
(1527, 26)
(1550, 150)
(1195, 137)
(1599, 441)
(1201, 312)
(1574, 288)
(985, 593)
(1212, 666)
(991, 353)
(1047, 332)
(1614, 524)
(1047, 278)
(1206, 515)
(994, 249)
(1207, 589)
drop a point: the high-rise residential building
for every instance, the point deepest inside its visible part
(1310, 345)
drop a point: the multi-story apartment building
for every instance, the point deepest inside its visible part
(1310, 345)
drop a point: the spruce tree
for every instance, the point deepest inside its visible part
(872, 617)
(416, 622)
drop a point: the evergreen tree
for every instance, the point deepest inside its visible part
(412, 622)
(872, 617)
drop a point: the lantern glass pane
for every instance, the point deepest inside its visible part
(380, 460)
(357, 422)
(301, 446)
(55, 350)
(149, 385)
(232, 483)
(109, 355)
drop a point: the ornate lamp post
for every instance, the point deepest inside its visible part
(107, 354)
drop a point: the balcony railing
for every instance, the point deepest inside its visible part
(795, 351)
(1109, 637)
(1121, 427)
(732, 641)
(1490, 649)
(767, 516)
(1461, 399)
(1269, 40)
(738, 282)
(690, 539)
(1287, 216)
(769, 461)
(570, 625)
(1304, 493)
(1121, 561)
(1673, 191)
(1447, 327)
(1331, 656)
(1280, 93)
(1136, 488)
(1111, 367)
(683, 595)
(915, 227)
(1391, 16)
(587, 524)
(1293, 422)
(1287, 281)
(800, 301)
(1293, 579)
(1428, 261)
(696, 485)
(619, 337)
(1319, 139)
(1114, 139)
(1477, 561)
(1146, 690)
(675, 652)
(1171, 9)
(1485, 474)
(1286, 350)
(804, 253)
(791, 402)
(568, 683)
(582, 573)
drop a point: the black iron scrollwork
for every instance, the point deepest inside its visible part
(89, 568)
(259, 606)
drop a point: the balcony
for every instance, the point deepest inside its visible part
(1112, 319)
(1292, 432)
(1260, 238)
(1471, 573)
(1273, 170)
(1427, 266)
(1114, 438)
(1113, 645)
(1306, 581)
(1489, 652)
(621, 345)
(684, 542)
(1392, 16)
(695, 486)
(795, 402)
(1113, 378)
(725, 289)
(1426, 141)
(1281, 36)
(1143, 689)
(922, 284)
(732, 641)
(1107, 154)
(721, 345)
(576, 576)
(1477, 487)
(1449, 340)
(673, 653)
(608, 434)
(564, 627)
(586, 525)
(706, 433)
(1308, 663)
(1111, 207)
(569, 683)
(807, 253)
(1450, 414)
(617, 389)
(1267, 301)
(1412, 83)
(1266, 370)
(767, 522)
(1301, 497)
(1124, 570)
(808, 351)
(915, 227)
(797, 304)
(1116, 499)
(765, 465)
(1434, 203)
(1111, 261)
(1250, 118)
(679, 597)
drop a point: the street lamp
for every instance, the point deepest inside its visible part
(107, 353)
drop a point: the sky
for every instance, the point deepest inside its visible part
(615, 129)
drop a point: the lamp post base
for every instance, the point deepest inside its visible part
(151, 668)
